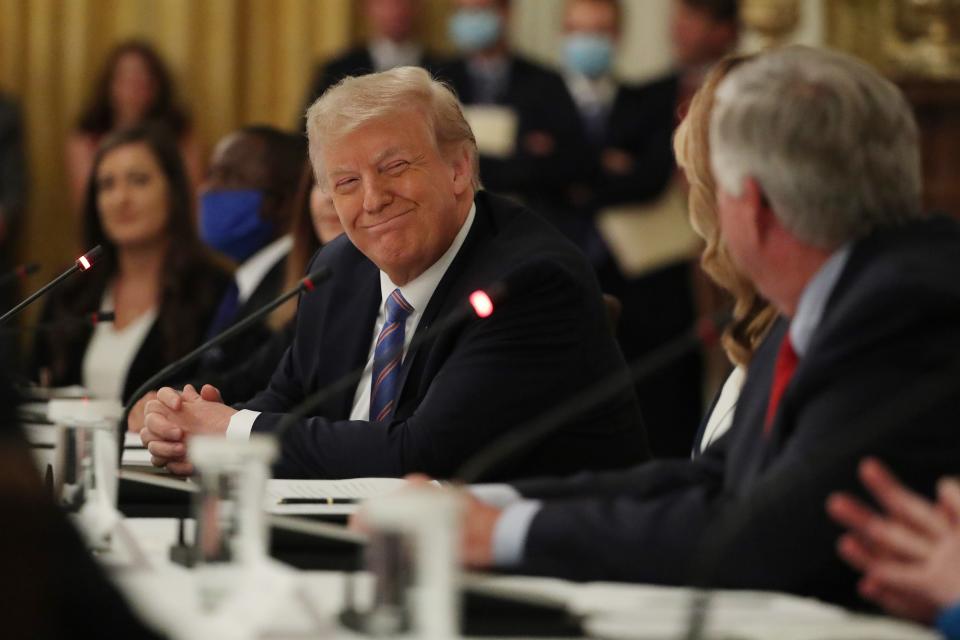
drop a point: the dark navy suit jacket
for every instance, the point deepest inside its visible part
(881, 377)
(463, 388)
(540, 100)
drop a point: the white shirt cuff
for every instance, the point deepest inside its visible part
(241, 424)
(510, 532)
(497, 495)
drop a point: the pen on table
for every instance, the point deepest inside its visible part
(317, 501)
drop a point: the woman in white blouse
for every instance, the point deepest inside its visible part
(156, 275)
(752, 315)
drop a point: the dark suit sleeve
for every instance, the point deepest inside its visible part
(653, 165)
(513, 364)
(246, 379)
(892, 390)
(544, 106)
(642, 126)
(652, 478)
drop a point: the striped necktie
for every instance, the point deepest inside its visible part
(387, 356)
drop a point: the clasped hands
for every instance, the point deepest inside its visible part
(173, 416)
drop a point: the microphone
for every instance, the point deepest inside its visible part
(91, 319)
(20, 272)
(83, 263)
(705, 332)
(97, 317)
(481, 303)
(306, 285)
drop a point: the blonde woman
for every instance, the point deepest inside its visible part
(752, 315)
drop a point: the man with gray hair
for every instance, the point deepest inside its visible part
(817, 162)
(394, 152)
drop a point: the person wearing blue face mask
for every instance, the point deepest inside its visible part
(538, 159)
(245, 206)
(624, 134)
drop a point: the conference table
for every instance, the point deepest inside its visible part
(278, 600)
(313, 580)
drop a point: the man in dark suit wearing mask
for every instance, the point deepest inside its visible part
(524, 149)
(626, 162)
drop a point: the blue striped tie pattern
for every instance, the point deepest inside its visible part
(387, 356)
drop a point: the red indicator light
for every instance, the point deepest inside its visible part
(481, 303)
(84, 263)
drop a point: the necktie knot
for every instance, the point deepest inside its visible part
(397, 307)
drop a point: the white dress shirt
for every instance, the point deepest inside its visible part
(417, 292)
(722, 415)
(253, 270)
(111, 351)
(591, 94)
(387, 54)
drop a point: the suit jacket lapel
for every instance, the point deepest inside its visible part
(268, 287)
(452, 291)
(348, 319)
(750, 450)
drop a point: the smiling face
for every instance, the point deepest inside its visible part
(133, 199)
(401, 201)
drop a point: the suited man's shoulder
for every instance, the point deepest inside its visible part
(346, 263)
(664, 83)
(917, 260)
(521, 236)
(353, 61)
(358, 61)
(528, 68)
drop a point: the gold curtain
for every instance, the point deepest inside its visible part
(234, 62)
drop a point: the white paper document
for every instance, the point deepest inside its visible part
(326, 497)
(352, 489)
(494, 128)
(136, 458)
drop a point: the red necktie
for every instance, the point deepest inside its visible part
(783, 370)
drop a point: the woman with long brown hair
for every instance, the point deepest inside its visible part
(155, 274)
(134, 87)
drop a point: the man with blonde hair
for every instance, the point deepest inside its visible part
(400, 163)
